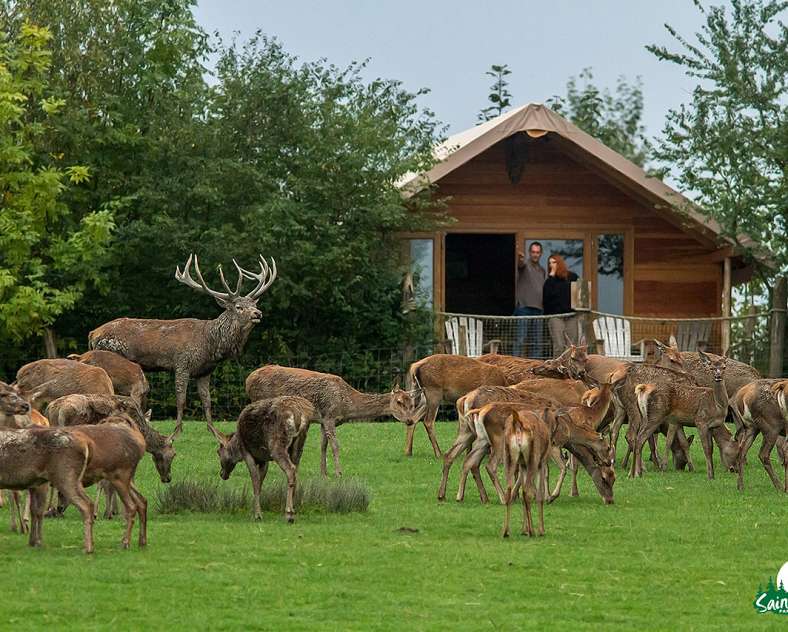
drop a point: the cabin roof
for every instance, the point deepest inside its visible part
(537, 120)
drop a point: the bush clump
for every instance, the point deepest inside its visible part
(346, 495)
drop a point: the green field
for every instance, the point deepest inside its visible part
(675, 551)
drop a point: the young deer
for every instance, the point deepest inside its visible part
(760, 407)
(526, 441)
(705, 408)
(334, 399)
(44, 380)
(442, 377)
(127, 376)
(32, 457)
(268, 430)
(116, 448)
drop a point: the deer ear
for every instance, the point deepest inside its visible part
(673, 342)
(148, 414)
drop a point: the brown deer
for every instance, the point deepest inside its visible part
(127, 376)
(517, 369)
(444, 377)
(189, 347)
(672, 399)
(73, 410)
(32, 457)
(44, 380)
(760, 407)
(14, 409)
(526, 444)
(540, 392)
(117, 448)
(581, 440)
(334, 399)
(268, 430)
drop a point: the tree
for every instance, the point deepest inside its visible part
(612, 118)
(499, 96)
(49, 251)
(728, 146)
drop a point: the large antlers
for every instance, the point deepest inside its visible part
(264, 279)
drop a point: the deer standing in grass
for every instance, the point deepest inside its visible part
(334, 399)
(761, 407)
(189, 347)
(676, 402)
(268, 430)
(444, 377)
(44, 380)
(127, 376)
(540, 392)
(116, 448)
(526, 441)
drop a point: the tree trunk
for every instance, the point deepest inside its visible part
(49, 343)
(777, 337)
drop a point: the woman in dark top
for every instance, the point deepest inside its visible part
(557, 299)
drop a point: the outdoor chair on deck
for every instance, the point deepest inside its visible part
(466, 337)
(693, 335)
(615, 335)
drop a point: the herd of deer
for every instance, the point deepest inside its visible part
(513, 410)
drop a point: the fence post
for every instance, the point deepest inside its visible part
(777, 335)
(726, 306)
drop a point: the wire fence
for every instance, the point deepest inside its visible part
(376, 370)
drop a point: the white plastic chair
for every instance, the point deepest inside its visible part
(616, 335)
(465, 336)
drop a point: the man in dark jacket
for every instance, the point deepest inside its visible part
(528, 294)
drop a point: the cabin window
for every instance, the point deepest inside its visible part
(570, 249)
(421, 262)
(610, 273)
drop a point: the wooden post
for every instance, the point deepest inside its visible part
(463, 342)
(726, 306)
(49, 343)
(777, 334)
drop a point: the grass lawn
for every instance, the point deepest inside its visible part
(675, 551)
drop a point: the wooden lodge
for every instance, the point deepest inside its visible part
(532, 175)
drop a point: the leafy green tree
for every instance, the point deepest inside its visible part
(728, 146)
(50, 252)
(499, 96)
(615, 119)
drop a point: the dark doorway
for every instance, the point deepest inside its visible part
(480, 274)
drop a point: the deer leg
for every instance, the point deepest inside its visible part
(619, 416)
(492, 471)
(478, 451)
(38, 504)
(74, 494)
(283, 461)
(652, 445)
(122, 486)
(558, 458)
(410, 429)
(26, 515)
(297, 448)
(429, 416)
(462, 442)
(681, 450)
(142, 512)
(510, 469)
(765, 455)
(429, 426)
(257, 474)
(204, 391)
(708, 448)
(110, 499)
(745, 442)
(573, 466)
(527, 491)
(540, 496)
(670, 436)
(331, 436)
(181, 384)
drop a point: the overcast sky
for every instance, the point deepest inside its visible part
(447, 46)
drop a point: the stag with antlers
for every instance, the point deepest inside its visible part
(187, 346)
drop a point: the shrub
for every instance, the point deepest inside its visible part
(313, 494)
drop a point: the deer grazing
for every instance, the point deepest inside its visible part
(760, 407)
(268, 430)
(333, 398)
(673, 400)
(526, 444)
(73, 410)
(127, 376)
(32, 457)
(187, 346)
(444, 377)
(44, 380)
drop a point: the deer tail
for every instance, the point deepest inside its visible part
(643, 392)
